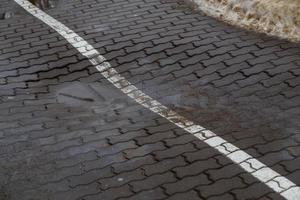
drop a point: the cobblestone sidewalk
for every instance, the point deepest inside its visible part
(66, 133)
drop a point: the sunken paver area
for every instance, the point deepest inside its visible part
(66, 133)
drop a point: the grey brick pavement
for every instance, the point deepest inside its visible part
(67, 134)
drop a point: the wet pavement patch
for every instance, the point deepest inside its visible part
(10, 9)
(7, 15)
(3, 195)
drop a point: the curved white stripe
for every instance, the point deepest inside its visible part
(275, 181)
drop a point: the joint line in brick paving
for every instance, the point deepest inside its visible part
(266, 175)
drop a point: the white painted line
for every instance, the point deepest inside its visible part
(275, 181)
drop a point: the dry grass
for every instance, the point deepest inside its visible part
(275, 17)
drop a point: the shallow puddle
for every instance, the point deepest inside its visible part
(96, 97)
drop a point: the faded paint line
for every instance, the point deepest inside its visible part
(266, 175)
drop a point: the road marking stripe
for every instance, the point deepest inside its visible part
(275, 181)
